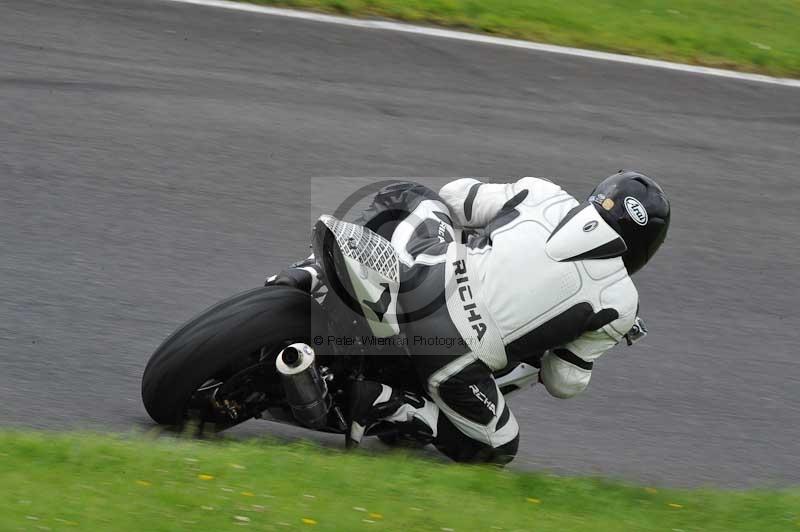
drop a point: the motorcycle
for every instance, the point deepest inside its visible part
(251, 356)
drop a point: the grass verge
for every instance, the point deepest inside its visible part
(90, 482)
(735, 34)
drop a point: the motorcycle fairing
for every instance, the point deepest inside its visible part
(362, 268)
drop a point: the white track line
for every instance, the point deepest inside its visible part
(486, 39)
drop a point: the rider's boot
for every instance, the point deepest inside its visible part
(373, 402)
(305, 275)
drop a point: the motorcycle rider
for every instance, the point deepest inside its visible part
(542, 278)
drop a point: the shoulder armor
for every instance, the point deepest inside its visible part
(583, 235)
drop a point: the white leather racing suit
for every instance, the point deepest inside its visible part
(523, 293)
(521, 285)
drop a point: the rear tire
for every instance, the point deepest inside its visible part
(219, 341)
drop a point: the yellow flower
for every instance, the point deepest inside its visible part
(533, 501)
(144, 483)
(675, 505)
(203, 476)
(307, 521)
(375, 516)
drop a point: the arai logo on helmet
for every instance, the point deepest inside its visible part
(636, 210)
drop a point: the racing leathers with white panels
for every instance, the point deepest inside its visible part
(519, 286)
(531, 298)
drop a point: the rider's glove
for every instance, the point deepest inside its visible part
(637, 332)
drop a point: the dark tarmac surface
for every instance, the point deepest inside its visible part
(155, 158)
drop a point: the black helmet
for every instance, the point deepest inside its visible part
(636, 207)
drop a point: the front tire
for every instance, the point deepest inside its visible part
(220, 341)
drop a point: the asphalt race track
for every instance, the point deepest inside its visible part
(157, 157)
